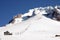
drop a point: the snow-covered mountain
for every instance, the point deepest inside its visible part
(37, 24)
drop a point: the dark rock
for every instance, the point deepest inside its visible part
(57, 35)
(7, 33)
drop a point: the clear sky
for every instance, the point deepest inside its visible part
(9, 8)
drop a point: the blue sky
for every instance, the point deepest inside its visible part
(9, 8)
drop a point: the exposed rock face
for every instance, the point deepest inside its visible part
(16, 19)
(54, 13)
(17, 16)
(57, 13)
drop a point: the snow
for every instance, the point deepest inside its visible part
(37, 27)
(29, 13)
(18, 20)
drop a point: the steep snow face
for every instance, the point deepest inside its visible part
(36, 27)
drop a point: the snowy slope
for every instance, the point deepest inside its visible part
(37, 27)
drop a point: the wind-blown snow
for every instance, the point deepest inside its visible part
(36, 27)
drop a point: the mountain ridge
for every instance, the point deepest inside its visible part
(41, 24)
